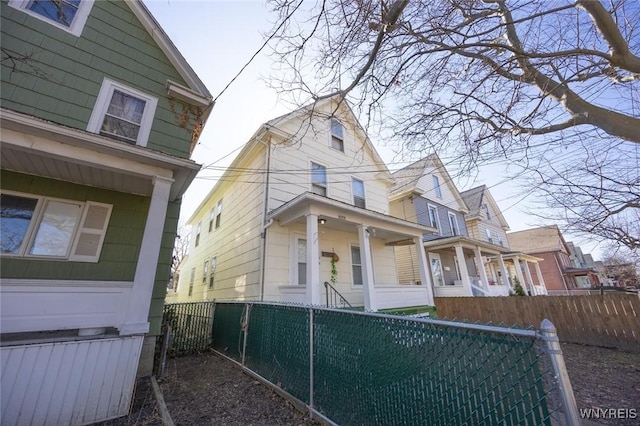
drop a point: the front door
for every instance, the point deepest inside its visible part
(436, 269)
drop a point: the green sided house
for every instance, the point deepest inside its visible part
(99, 116)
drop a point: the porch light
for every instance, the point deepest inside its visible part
(322, 221)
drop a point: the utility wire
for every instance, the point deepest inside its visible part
(273, 34)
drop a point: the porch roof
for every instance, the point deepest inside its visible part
(466, 242)
(345, 217)
(523, 256)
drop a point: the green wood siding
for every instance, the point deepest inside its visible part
(121, 245)
(61, 82)
(164, 267)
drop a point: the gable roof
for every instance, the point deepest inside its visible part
(168, 48)
(271, 128)
(318, 105)
(474, 198)
(407, 178)
(537, 240)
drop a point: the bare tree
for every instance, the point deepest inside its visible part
(180, 251)
(598, 195)
(484, 80)
(622, 265)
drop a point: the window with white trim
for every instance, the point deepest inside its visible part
(214, 263)
(453, 222)
(433, 216)
(198, 230)
(68, 15)
(45, 227)
(123, 113)
(489, 238)
(318, 179)
(212, 215)
(358, 193)
(337, 135)
(191, 279)
(301, 261)
(356, 265)
(485, 207)
(436, 186)
(205, 271)
(218, 214)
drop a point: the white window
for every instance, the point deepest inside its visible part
(191, 278)
(433, 216)
(337, 135)
(205, 271)
(123, 113)
(458, 274)
(214, 263)
(68, 15)
(358, 193)
(34, 226)
(198, 230)
(218, 214)
(301, 261)
(212, 215)
(318, 179)
(436, 187)
(485, 207)
(489, 238)
(453, 222)
(356, 265)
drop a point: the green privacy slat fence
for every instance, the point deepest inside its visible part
(378, 369)
(228, 337)
(190, 325)
(398, 371)
(278, 347)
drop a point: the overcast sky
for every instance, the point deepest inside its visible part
(217, 38)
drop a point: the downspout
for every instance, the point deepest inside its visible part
(265, 223)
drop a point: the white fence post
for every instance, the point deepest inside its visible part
(569, 407)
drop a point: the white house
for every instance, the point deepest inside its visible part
(469, 253)
(307, 194)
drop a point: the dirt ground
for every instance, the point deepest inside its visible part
(208, 390)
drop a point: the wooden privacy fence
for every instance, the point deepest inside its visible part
(609, 320)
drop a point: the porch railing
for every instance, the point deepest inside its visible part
(334, 298)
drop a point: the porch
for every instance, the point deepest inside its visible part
(350, 247)
(485, 269)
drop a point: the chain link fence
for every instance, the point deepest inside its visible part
(358, 368)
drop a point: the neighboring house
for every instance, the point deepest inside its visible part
(561, 275)
(485, 222)
(461, 261)
(582, 268)
(307, 193)
(99, 115)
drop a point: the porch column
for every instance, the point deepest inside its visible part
(466, 282)
(527, 274)
(424, 272)
(540, 277)
(313, 291)
(516, 262)
(368, 285)
(503, 270)
(137, 319)
(481, 270)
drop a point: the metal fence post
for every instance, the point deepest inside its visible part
(550, 337)
(245, 328)
(310, 360)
